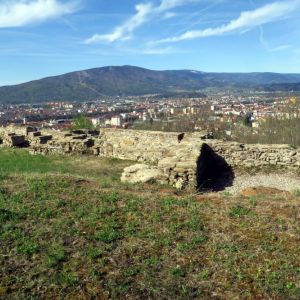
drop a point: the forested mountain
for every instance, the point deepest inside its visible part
(128, 80)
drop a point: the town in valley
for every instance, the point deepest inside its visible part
(221, 113)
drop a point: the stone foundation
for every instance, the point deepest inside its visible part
(175, 155)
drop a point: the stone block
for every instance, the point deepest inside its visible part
(187, 165)
(34, 133)
(140, 173)
(168, 163)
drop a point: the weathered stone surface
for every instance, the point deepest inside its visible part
(168, 162)
(175, 160)
(34, 133)
(140, 173)
(180, 184)
(187, 165)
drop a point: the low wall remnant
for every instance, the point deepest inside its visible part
(182, 159)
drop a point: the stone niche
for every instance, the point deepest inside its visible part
(15, 140)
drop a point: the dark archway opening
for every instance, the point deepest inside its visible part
(213, 172)
(180, 137)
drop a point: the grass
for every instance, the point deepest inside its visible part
(69, 229)
(238, 211)
(296, 193)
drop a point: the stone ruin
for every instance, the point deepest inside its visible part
(183, 160)
(14, 140)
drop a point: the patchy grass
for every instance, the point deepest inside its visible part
(238, 211)
(296, 193)
(70, 230)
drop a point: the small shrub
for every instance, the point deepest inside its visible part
(82, 122)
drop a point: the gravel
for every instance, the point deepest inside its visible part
(284, 182)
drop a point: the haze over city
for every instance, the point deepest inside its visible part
(40, 38)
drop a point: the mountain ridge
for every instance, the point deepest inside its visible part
(90, 84)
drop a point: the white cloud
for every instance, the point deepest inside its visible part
(169, 4)
(17, 13)
(121, 32)
(143, 13)
(169, 15)
(246, 21)
(120, 51)
(281, 48)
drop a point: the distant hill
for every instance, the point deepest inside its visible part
(128, 80)
(287, 87)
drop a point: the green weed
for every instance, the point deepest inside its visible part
(238, 211)
(55, 255)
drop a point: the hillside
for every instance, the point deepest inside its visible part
(128, 80)
(69, 229)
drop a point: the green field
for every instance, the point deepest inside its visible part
(69, 229)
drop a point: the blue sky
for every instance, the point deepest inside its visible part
(40, 38)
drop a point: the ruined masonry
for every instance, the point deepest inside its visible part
(177, 159)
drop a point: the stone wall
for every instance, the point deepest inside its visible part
(146, 146)
(243, 155)
(176, 156)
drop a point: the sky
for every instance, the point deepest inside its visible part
(40, 38)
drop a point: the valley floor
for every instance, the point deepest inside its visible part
(69, 229)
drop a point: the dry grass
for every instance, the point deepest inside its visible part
(81, 234)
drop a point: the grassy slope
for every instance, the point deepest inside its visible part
(69, 229)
